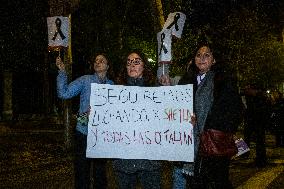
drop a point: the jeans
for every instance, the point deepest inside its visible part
(179, 178)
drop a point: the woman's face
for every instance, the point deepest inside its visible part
(204, 59)
(100, 64)
(135, 66)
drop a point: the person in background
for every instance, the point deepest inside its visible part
(256, 121)
(82, 87)
(277, 118)
(217, 105)
(136, 72)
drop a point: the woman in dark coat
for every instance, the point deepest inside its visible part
(128, 171)
(217, 105)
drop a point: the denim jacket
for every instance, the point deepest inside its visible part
(81, 86)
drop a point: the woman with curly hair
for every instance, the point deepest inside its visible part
(137, 72)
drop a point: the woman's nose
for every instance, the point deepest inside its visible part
(132, 65)
(203, 58)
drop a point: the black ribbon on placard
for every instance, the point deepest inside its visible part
(58, 30)
(175, 22)
(163, 47)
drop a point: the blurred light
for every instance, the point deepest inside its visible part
(150, 60)
(268, 91)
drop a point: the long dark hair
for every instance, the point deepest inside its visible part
(92, 60)
(191, 71)
(148, 75)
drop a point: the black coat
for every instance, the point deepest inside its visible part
(226, 113)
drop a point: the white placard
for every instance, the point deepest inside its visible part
(164, 39)
(175, 23)
(58, 31)
(132, 122)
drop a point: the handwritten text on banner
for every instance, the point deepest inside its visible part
(132, 122)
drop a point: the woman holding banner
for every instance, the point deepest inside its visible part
(137, 73)
(82, 86)
(218, 108)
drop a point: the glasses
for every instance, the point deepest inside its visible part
(203, 56)
(135, 61)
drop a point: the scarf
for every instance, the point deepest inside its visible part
(131, 81)
(203, 102)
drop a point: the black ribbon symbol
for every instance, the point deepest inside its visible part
(175, 22)
(58, 30)
(163, 47)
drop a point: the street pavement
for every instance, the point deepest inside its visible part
(245, 175)
(25, 161)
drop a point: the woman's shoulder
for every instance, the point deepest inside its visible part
(92, 78)
(85, 77)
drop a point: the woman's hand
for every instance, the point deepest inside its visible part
(165, 80)
(193, 119)
(89, 110)
(59, 63)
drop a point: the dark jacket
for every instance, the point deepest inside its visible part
(134, 165)
(257, 112)
(226, 112)
(277, 117)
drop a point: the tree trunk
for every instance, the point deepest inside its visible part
(157, 13)
(62, 7)
(283, 35)
(7, 97)
(46, 89)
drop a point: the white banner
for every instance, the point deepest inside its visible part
(131, 122)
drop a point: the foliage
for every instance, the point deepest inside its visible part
(255, 54)
(245, 36)
(149, 48)
(23, 40)
(182, 52)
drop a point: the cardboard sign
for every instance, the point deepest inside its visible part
(58, 31)
(132, 122)
(164, 45)
(175, 23)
